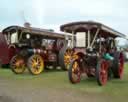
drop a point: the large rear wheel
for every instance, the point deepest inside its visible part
(35, 64)
(118, 65)
(17, 64)
(102, 72)
(74, 72)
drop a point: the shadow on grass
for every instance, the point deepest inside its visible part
(93, 82)
(119, 81)
(90, 81)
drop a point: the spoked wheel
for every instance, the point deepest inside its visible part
(17, 64)
(118, 65)
(102, 72)
(67, 58)
(74, 72)
(35, 64)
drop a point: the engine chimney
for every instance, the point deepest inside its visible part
(27, 25)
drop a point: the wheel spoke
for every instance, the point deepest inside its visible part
(67, 57)
(102, 72)
(76, 72)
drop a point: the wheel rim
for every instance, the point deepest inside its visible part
(103, 73)
(36, 64)
(67, 58)
(76, 74)
(18, 64)
(121, 65)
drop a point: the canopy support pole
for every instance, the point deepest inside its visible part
(88, 38)
(98, 30)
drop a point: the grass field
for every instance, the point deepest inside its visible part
(54, 86)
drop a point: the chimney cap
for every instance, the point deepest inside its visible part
(27, 24)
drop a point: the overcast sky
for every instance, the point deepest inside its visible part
(53, 13)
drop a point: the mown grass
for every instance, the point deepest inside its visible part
(116, 89)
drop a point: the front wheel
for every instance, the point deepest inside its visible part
(17, 64)
(35, 64)
(74, 72)
(102, 72)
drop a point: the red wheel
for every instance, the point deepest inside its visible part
(118, 65)
(102, 72)
(74, 72)
(121, 65)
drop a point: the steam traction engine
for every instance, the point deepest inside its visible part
(32, 48)
(94, 52)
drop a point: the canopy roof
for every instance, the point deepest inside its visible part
(84, 26)
(35, 31)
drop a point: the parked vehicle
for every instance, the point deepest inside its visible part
(32, 48)
(94, 52)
